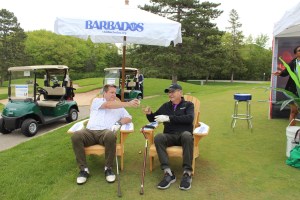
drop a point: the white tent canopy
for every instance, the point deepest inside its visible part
(289, 24)
(286, 36)
(123, 24)
(110, 25)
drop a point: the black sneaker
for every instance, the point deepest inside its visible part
(109, 175)
(186, 182)
(82, 177)
(167, 181)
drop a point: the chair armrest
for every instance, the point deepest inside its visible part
(152, 124)
(127, 128)
(78, 126)
(149, 132)
(202, 130)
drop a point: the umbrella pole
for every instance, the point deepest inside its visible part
(123, 68)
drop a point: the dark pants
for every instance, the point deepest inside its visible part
(86, 138)
(142, 89)
(184, 139)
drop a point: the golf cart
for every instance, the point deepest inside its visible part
(38, 95)
(114, 76)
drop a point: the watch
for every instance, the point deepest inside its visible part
(119, 122)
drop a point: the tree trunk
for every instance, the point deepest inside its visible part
(174, 78)
(1, 81)
(206, 78)
(231, 79)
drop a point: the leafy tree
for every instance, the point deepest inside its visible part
(12, 39)
(82, 56)
(262, 40)
(234, 42)
(257, 61)
(257, 58)
(201, 38)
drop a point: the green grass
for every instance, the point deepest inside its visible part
(237, 164)
(89, 81)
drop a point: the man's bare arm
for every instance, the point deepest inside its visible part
(125, 120)
(118, 104)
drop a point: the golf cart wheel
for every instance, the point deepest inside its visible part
(29, 127)
(2, 128)
(73, 115)
(139, 97)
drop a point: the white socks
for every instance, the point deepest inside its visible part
(168, 170)
(188, 172)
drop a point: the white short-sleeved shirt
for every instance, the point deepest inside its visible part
(101, 119)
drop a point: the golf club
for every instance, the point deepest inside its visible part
(145, 157)
(118, 178)
(118, 174)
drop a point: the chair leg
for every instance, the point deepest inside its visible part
(122, 162)
(193, 165)
(151, 160)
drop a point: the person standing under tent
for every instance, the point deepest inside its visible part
(290, 85)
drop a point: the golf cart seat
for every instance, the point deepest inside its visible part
(131, 85)
(55, 93)
(200, 130)
(53, 96)
(98, 149)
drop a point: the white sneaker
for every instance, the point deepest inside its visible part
(82, 177)
(109, 175)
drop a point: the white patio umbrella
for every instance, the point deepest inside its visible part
(110, 24)
(123, 24)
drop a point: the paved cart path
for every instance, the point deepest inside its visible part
(16, 137)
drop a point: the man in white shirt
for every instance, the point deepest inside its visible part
(106, 117)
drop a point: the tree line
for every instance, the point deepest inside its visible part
(206, 52)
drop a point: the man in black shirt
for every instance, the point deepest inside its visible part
(177, 115)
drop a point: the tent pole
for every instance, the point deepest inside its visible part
(124, 62)
(123, 68)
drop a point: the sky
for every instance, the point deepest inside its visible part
(256, 16)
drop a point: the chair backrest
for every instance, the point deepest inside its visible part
(196, 103)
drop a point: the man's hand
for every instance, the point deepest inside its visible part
(277, 73)
(147, 110)
(134, 103)
(116, 127)
(162, 118)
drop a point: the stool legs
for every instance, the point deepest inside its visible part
(247, 116)
(235, 114)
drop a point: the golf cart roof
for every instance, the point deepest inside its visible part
(120, 68)
(31, 68)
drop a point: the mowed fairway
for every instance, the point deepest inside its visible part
(237, 164)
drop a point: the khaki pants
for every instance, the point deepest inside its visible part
(86, 138)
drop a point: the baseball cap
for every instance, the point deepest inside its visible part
(173, 87)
